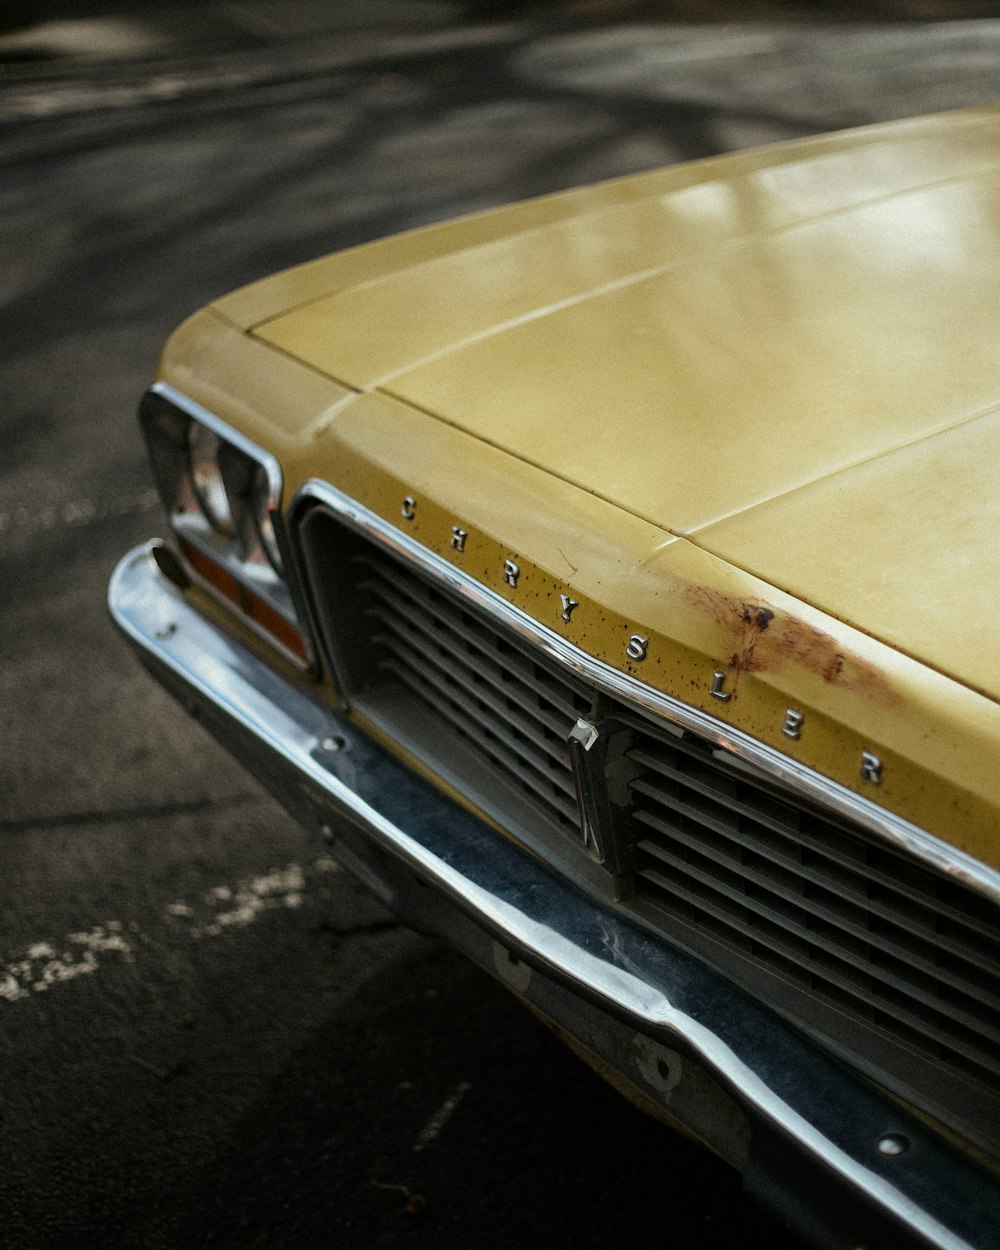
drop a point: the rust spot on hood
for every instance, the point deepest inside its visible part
(756, 616)
(762, 639)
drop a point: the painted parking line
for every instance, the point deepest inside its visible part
(73, 513)
(432, 1130)
(50, 962)
(45, 964)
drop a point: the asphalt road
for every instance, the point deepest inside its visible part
(208, 1034)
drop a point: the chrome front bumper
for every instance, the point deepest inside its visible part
(840, 1162)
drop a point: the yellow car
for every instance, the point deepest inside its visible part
(612, 580)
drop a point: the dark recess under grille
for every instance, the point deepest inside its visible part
(895, 966)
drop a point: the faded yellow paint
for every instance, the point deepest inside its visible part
(734, 409)
(704, 343)
(909, 545)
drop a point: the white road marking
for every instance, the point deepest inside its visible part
(282, 887)
(76, 512)
(227, 907)
(431, 1131)
(44, 964)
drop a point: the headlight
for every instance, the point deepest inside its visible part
(222, 494)
(263, 518)
(206, 478)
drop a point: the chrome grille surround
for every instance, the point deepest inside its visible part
(865, 930)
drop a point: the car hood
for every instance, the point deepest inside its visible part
(790, 358)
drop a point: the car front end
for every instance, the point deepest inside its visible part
(496, 600)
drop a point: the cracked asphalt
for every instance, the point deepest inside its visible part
(209, 1035)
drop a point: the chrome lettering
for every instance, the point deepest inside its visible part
(409, 508)
(871, 768)
(458, 537)
(568, 605)
(792, 728)
(636, 649)
(511, 572)
(716, 691)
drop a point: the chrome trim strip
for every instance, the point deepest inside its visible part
(566, 936)
(787, 773)
(227, 433)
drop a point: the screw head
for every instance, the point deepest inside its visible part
(893, 1144)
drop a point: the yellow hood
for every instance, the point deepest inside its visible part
(791, 357)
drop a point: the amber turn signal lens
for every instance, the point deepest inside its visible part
(274, 623)
(214, 574)
(256, 608)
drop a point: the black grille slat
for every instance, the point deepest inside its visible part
(713, 783)
(531, 701)
(820, 924)
(919, 1025)
(489, 690)
(516, 661)
(548, 756)
(826, 873)
(497, 748)
(789, 886)
(964, 914)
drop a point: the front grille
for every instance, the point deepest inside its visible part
(893, 965)
(491, 692)
(857, 925)
(482, 709)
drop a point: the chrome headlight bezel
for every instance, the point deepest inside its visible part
(222, 494)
